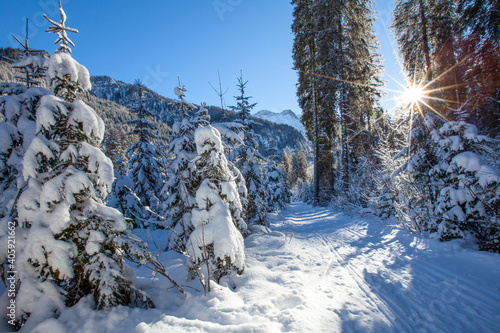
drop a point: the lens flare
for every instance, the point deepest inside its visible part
(412, 95)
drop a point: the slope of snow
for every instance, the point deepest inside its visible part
(287, 117)
(322, 271)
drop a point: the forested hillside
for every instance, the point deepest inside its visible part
(124, 94)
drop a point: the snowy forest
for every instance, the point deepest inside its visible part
(122, 210)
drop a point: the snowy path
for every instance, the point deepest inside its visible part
(336, 274)
(358, 276)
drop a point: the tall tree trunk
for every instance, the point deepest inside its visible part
(425, 40)
(316, 150)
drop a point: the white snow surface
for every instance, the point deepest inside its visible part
(334, 273)
(62, 64)
(472, 162)
(207, 138)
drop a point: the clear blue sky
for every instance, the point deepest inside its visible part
(156, 40)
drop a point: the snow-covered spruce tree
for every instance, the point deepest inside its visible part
(18, 104)
(389, 199)
(247, 158)
(201, 119)
(75, 244)
(469, 199)
(216, 242)
(18, 107)
(145, 167)
(178, 188)
(286, 165)
(298, 175)
(232, 134)
(115, 144)
(278, 193)
(418, 158)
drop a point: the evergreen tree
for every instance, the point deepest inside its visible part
(179, 189)
(247, 157)
(202, 118)
(469, 183)
(304, 55)
(115, 145)
(215, 243)
(428, 44)
(477, 26)
(412, 35)
(286, 165)
(72, 244)
(278, 192)
(481, 16)
(390, 180)
(145, 166)
(298, 175)
(18, 106)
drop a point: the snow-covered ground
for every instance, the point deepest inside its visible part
(321, 271)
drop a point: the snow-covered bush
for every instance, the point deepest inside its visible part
(216, 241)
(469, 197)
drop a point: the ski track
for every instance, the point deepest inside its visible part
(378, 278)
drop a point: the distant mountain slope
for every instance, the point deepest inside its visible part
(287, 117)
(125, 94)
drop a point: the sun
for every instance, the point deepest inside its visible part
(413, 94)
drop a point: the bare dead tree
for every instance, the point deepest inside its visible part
(221, 96)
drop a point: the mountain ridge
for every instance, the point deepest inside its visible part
(286, 117)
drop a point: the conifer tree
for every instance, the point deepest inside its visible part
(278, 192)
(18, 106)
(179, 189)
(70, 245)
(299, 168)
(246, 158)
(305, 62)
(470, 181)
(145, 166)
(286, 165)
(428, 44)
(477, 27)
(215, 243)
